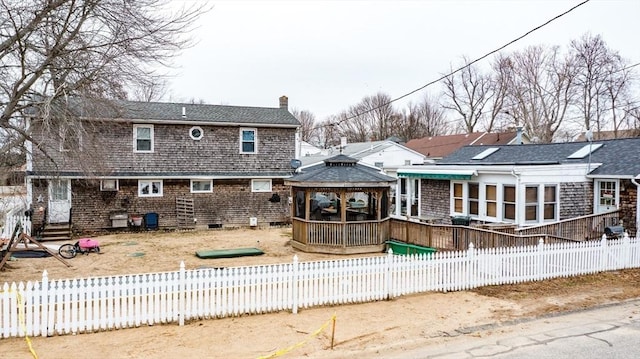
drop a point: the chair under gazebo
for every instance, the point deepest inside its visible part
(340, 206)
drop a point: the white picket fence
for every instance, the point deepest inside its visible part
(10, 222)
(56, 307)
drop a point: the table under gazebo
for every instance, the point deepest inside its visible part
(340, 206)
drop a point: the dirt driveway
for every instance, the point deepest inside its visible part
(370, 329)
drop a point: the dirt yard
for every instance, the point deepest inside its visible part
(369, 329)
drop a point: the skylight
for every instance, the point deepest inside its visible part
(585, 151)
(484, 154)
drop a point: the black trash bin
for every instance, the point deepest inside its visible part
(151, 220)
(460, 220)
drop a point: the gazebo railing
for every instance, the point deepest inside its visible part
(338, 234)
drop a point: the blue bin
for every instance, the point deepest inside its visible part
(151, 220)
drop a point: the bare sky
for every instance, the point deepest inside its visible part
(327, 55)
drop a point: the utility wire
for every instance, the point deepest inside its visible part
(463, 67)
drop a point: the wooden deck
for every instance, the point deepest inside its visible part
(370, 236)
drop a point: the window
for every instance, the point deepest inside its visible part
(379, 164)
(550, 202)
(248, 142)
(201, 186)
(149, 188)
(606, 195)
(474, 196)
(109, 185)
(457, 198)
(196, 133)
(531, 204)
(261, 185)
(509, 203)
(492, 200)
(143, 138)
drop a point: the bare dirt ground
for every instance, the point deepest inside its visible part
(370, 329)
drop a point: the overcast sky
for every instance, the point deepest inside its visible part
(327, 55)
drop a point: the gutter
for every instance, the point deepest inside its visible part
(633, 180)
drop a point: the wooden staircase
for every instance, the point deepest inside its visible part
(56, 232)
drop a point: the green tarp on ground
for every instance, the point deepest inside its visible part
(229, 253)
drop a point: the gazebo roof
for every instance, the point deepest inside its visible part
(340, 171)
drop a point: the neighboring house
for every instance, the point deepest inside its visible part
(438, 147)
(192, 164)
(307, 149)
(532, 184)
(387, 155)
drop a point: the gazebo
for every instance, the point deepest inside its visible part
(341, 207)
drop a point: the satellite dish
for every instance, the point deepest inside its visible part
(295, 163)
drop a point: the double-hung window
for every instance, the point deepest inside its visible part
(531, 204)
(474, 199)
(491, 201)
(509, 202)
(248, 140)
(149, 188)
(143, 138)
(550, 202)
(458, 198)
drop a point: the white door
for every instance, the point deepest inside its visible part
(606, 196)
(59, 201)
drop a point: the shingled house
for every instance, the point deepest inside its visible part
(191, 164)
(533, 184)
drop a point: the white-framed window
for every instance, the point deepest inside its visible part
(201, 186)
(531, 203)
(550, 204)
(509, 202)
(606, 192)
(457, 196)
(261, 185)
(491, 200)
(143, 138)
(149, 188)
(109, 185)
(196, 133)
(248, 140)
(474, 199)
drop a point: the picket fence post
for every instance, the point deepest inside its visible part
(182, 292)
(44, 304)
(539, 259)
(603, 253)
(294, 285)
(471, 259)
(626, 245)
(387, 275)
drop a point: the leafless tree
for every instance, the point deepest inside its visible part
(426, 118)
(539, 95)
(54, 51)
(308, 130)
(370, 120)
(467, 93)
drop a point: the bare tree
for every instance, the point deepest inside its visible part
(467, 93)
(370, 120)
(540, 90)
(55, 51)
(426, 118)
(307, 130)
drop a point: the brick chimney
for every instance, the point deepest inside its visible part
(284, 102)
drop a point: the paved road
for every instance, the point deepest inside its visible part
(605, 332)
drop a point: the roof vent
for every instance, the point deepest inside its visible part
(184, 112)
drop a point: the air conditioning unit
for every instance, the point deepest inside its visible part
(253, 221)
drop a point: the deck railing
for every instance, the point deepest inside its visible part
(579, 228)
(339, 234)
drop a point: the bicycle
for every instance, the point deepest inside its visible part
(83, 246)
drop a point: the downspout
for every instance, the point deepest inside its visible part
(633, 180)
(517, 176)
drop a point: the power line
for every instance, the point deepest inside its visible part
(463, 67)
